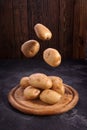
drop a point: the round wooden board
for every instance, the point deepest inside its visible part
(37, 107)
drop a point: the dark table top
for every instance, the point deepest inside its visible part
(73, 73)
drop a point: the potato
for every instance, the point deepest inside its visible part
(31, 93)
(24, 82)
(40, 80)
(30, 48)
(57, 84)
(49, 96)
(52, 57)
(42, 32)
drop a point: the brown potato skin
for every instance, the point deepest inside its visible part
(40, 80)
(52, 57)
(24, 82)
(50, 96)
(57, 84)
(31, 92)
(42, 32)
(30, 48)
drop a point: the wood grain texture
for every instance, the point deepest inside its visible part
(38, 107)
(80, 29)
(20, 24)
(6, 29)
(67, 19)
(66, 27)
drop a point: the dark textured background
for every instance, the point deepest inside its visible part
(67, 19)
(74, 73)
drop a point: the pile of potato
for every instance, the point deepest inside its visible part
(48, 89)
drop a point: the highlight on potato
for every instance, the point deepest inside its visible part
(52, 57)
(50, 96)
(24, 82)
(57, 84)
(42, 32)
(30, 48)
(31, 92)
(40, 80)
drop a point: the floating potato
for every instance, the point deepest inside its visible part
(42, 32)
(31, 92)
(30, 48)
(40, 80)
(52, 57)
(57, 84)
(49, 96)
(24, 82)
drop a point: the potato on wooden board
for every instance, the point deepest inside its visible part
(57, 84)
(52, 57)
(30, 48)
(42, 32)
(50, 96)
(31, 92)
(24, 82)
(40, 80)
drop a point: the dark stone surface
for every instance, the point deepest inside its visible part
(74, 73)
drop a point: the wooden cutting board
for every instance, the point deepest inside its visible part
(37, 107)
